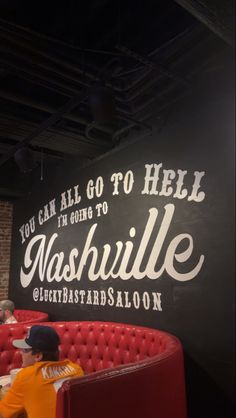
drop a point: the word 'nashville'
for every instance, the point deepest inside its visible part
(41, 260)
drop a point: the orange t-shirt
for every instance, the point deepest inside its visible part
(35, 388)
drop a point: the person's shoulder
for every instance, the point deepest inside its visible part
(66, 365)
(14, 320)
(11, 320)
(67, 361)
(75, 366)
(24, 374)
(26, 371)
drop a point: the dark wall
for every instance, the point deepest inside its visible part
(157, 253)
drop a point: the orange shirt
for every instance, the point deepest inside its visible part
(35, 388)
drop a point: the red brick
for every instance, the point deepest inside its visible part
(5, 245)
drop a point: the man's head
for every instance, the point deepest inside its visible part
(6, 309)
(41, 344)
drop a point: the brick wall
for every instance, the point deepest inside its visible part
(5, 245)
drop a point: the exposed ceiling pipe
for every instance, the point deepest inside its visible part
(163, 89)
(63, 88)
(134, 122)
(31, 76)
(30, 68)
(31, 37)
(56, 42)
(218, 15)
(156, 100)
(70, 105)
(55, 147)
(156, 83)
(46, 108)
(153, 65)
(94, 126)
(142, 89)
(73, 139)
(135, 109)
(137, 80)
(72, 91)
(49, 109)
(25, 51)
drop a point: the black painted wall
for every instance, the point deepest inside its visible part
(157, 253)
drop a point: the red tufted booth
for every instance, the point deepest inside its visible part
(23, 315)
(131, 371)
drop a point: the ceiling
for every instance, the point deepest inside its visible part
(78, 78)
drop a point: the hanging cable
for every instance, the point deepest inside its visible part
(41, 165)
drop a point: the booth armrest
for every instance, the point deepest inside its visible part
(152, 388)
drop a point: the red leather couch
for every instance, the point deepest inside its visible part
(24, 315)
(131, 371)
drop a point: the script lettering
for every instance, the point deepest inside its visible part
(50, 265)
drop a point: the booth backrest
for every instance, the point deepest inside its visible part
(94, 345)
(24, 315)
(101, 345)
(131, 371)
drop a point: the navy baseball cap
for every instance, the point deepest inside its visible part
(40, 337)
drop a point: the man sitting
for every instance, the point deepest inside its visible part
(6, 312)
(35, 386)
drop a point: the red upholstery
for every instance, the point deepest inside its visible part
(23, 315)
(132, 371)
